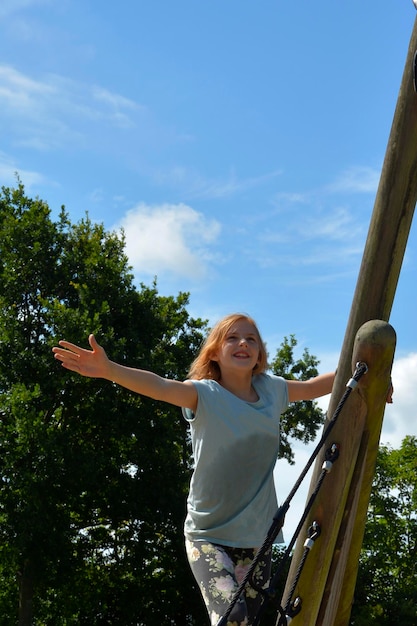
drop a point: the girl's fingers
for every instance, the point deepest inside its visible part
(72, 357)
(69, 354)
(93, 342)
(70, 346)
(66, 357)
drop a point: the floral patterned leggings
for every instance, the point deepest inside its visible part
(219, 570)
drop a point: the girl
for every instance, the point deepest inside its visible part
(233, 408)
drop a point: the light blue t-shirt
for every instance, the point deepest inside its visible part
(232, 497)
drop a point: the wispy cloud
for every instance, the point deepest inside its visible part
(339, 224)
(119, 107)
(314, 224)
(20, 92)
(10, 7)
(54, 110)
(9, 170)
(313, 229)
(356, 179)
(169, 239)
(196, 186)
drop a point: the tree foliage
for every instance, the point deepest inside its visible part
(301, 420)
(93, 478)
(386, 589)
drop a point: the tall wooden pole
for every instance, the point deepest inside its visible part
(328, 578)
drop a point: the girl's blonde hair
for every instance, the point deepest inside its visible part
(205, 367)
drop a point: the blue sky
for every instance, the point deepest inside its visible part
(239, 144)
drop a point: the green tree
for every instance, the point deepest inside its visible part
(301, 420)
(386, 588)
(92, 478)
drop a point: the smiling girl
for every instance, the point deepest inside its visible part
(233, 408)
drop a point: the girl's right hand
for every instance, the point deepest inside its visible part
(93, 363)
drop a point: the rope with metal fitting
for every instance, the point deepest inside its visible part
(293, 607)
(314, 531)
(278, 519)
(331, 456)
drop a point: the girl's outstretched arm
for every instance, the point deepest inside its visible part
(96, 364)
(310, 389)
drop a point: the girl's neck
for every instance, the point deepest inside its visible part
(240, 386)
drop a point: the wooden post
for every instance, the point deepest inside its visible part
(328, 579)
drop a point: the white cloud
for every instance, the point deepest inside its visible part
(401, 417)
(168, 239)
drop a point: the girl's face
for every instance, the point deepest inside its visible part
(240, 347)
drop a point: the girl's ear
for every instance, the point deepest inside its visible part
(213, 356)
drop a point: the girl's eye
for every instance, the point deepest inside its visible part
(236, 338)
